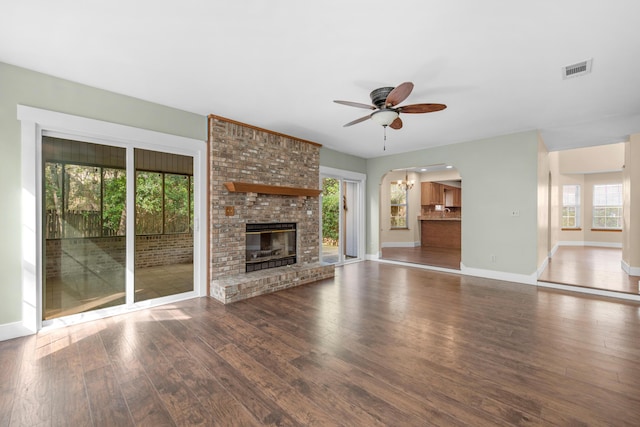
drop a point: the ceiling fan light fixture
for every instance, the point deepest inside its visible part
(384, 117)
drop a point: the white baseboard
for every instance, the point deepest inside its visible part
(517, 278)
(590, 291)
(583, 243)
(544, 265)
(631, 271)
(530, 279)
(13, 330)
(421, 266)
(400, 244)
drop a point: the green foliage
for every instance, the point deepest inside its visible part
(74, 207)
(148, 203)
(114, 191)
(176, 203)
(330, 209)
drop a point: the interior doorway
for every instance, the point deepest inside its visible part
(342, 220)
(428, 228)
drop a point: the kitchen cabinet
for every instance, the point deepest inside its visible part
(452, 197)
(432, 193)
(441, 233)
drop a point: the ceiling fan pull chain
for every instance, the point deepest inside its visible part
(384, 145)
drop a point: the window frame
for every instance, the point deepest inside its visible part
(576, 207)
(34, 124)
(608, 206)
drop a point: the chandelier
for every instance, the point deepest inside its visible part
(405, 185)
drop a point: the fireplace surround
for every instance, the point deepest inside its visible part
(261, 177)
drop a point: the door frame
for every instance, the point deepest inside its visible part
(361, 180)
(34, 122)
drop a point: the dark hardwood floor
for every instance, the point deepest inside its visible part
(590, 267)
(433, 256)
(583, 266)
(380, 344)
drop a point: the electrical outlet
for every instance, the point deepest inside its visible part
(493, 258)
(515, 212)
(229, 211)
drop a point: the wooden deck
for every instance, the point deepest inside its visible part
(378, 345)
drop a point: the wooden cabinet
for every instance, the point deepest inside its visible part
(432, 193)
(441, 234)
(452, 197)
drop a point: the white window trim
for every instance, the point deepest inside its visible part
(34, 122)
(594, 207)
(577, 206)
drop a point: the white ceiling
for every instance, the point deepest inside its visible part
(279, 64)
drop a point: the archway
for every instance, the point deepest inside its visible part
(421, 216)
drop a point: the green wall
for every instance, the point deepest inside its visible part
(20, 86)
(338, 160)
(499, 175)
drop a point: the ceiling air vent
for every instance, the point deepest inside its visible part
(575, 70)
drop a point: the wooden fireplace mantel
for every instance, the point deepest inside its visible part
(247, 187)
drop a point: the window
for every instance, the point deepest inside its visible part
(399, 208)
(84, 201)
(89, 201)
(163, 203)
(607, 206)
(571, 206)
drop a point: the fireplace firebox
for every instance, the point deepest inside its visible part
(270, 245)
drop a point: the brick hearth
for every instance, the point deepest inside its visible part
(243, 153)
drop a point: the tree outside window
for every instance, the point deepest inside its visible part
(90, 201)
(399, 207)
(607, 206)
(164, 203)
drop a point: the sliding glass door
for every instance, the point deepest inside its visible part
(342, 217)
(164, 224)
(86, 235)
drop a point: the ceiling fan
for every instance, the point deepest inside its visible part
(385, 101)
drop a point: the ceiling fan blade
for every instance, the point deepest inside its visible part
(421, 108)
(396, 124)
(399, 94)
(356, 104)
(361, 119)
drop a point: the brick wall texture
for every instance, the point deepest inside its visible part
(245, 154)
(101, 254)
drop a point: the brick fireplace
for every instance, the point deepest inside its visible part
(261, 177)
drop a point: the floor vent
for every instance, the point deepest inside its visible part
(576, 70)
